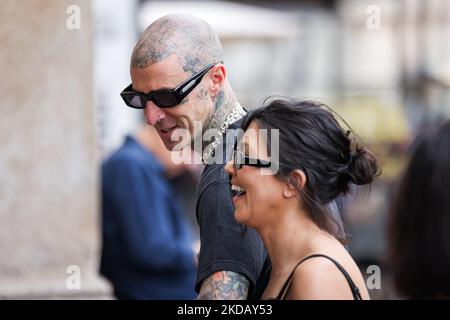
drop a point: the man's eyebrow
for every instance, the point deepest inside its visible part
(162, 88)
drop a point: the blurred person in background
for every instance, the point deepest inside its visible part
(147, 249)
(419, 225)
(316, 163)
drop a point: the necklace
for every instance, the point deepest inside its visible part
(236, 113)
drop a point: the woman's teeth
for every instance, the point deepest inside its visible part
(237, 191)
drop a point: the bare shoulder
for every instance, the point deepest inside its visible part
(319, 278)
(224, 285)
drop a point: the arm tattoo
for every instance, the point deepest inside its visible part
(224, 285)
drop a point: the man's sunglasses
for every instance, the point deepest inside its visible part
(165, 98)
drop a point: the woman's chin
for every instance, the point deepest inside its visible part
(242, 217)
(239, 216)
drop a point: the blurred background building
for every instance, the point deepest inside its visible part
(383, 65)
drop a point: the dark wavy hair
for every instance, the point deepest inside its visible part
(312, 140)
(419, 221)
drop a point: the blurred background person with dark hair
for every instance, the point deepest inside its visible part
(147, 248)
(419, 228)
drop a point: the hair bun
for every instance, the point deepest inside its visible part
(363, 167)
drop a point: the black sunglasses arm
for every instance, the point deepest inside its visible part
(187, 86)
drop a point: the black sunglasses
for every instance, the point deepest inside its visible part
(239, 159)
(165, 98)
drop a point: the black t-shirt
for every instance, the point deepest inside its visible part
(226, 245)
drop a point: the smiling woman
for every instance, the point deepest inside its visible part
(317, 162)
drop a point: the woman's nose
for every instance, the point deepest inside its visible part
(153, 114)
(229, 167)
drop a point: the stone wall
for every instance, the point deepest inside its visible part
(48, 152)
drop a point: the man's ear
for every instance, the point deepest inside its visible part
(218, 75)
(297, 182)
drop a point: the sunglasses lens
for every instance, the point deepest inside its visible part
(165, 99)
(133, 100)
(236, 161)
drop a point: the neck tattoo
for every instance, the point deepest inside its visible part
(235, 114)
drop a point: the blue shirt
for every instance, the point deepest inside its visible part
(146, 251)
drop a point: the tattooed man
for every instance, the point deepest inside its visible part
(180, 80)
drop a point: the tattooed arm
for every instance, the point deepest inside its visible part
(224, 285)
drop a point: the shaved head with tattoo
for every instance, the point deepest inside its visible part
(192, 40)
(170, 50)
(179, 79)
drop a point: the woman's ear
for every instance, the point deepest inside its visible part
(297, 182)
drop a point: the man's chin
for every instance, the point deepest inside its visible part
(175, 140)
(170, 145)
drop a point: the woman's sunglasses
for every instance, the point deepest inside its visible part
(239, 159)
(165, 98)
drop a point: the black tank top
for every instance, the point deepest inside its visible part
(287, 284)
